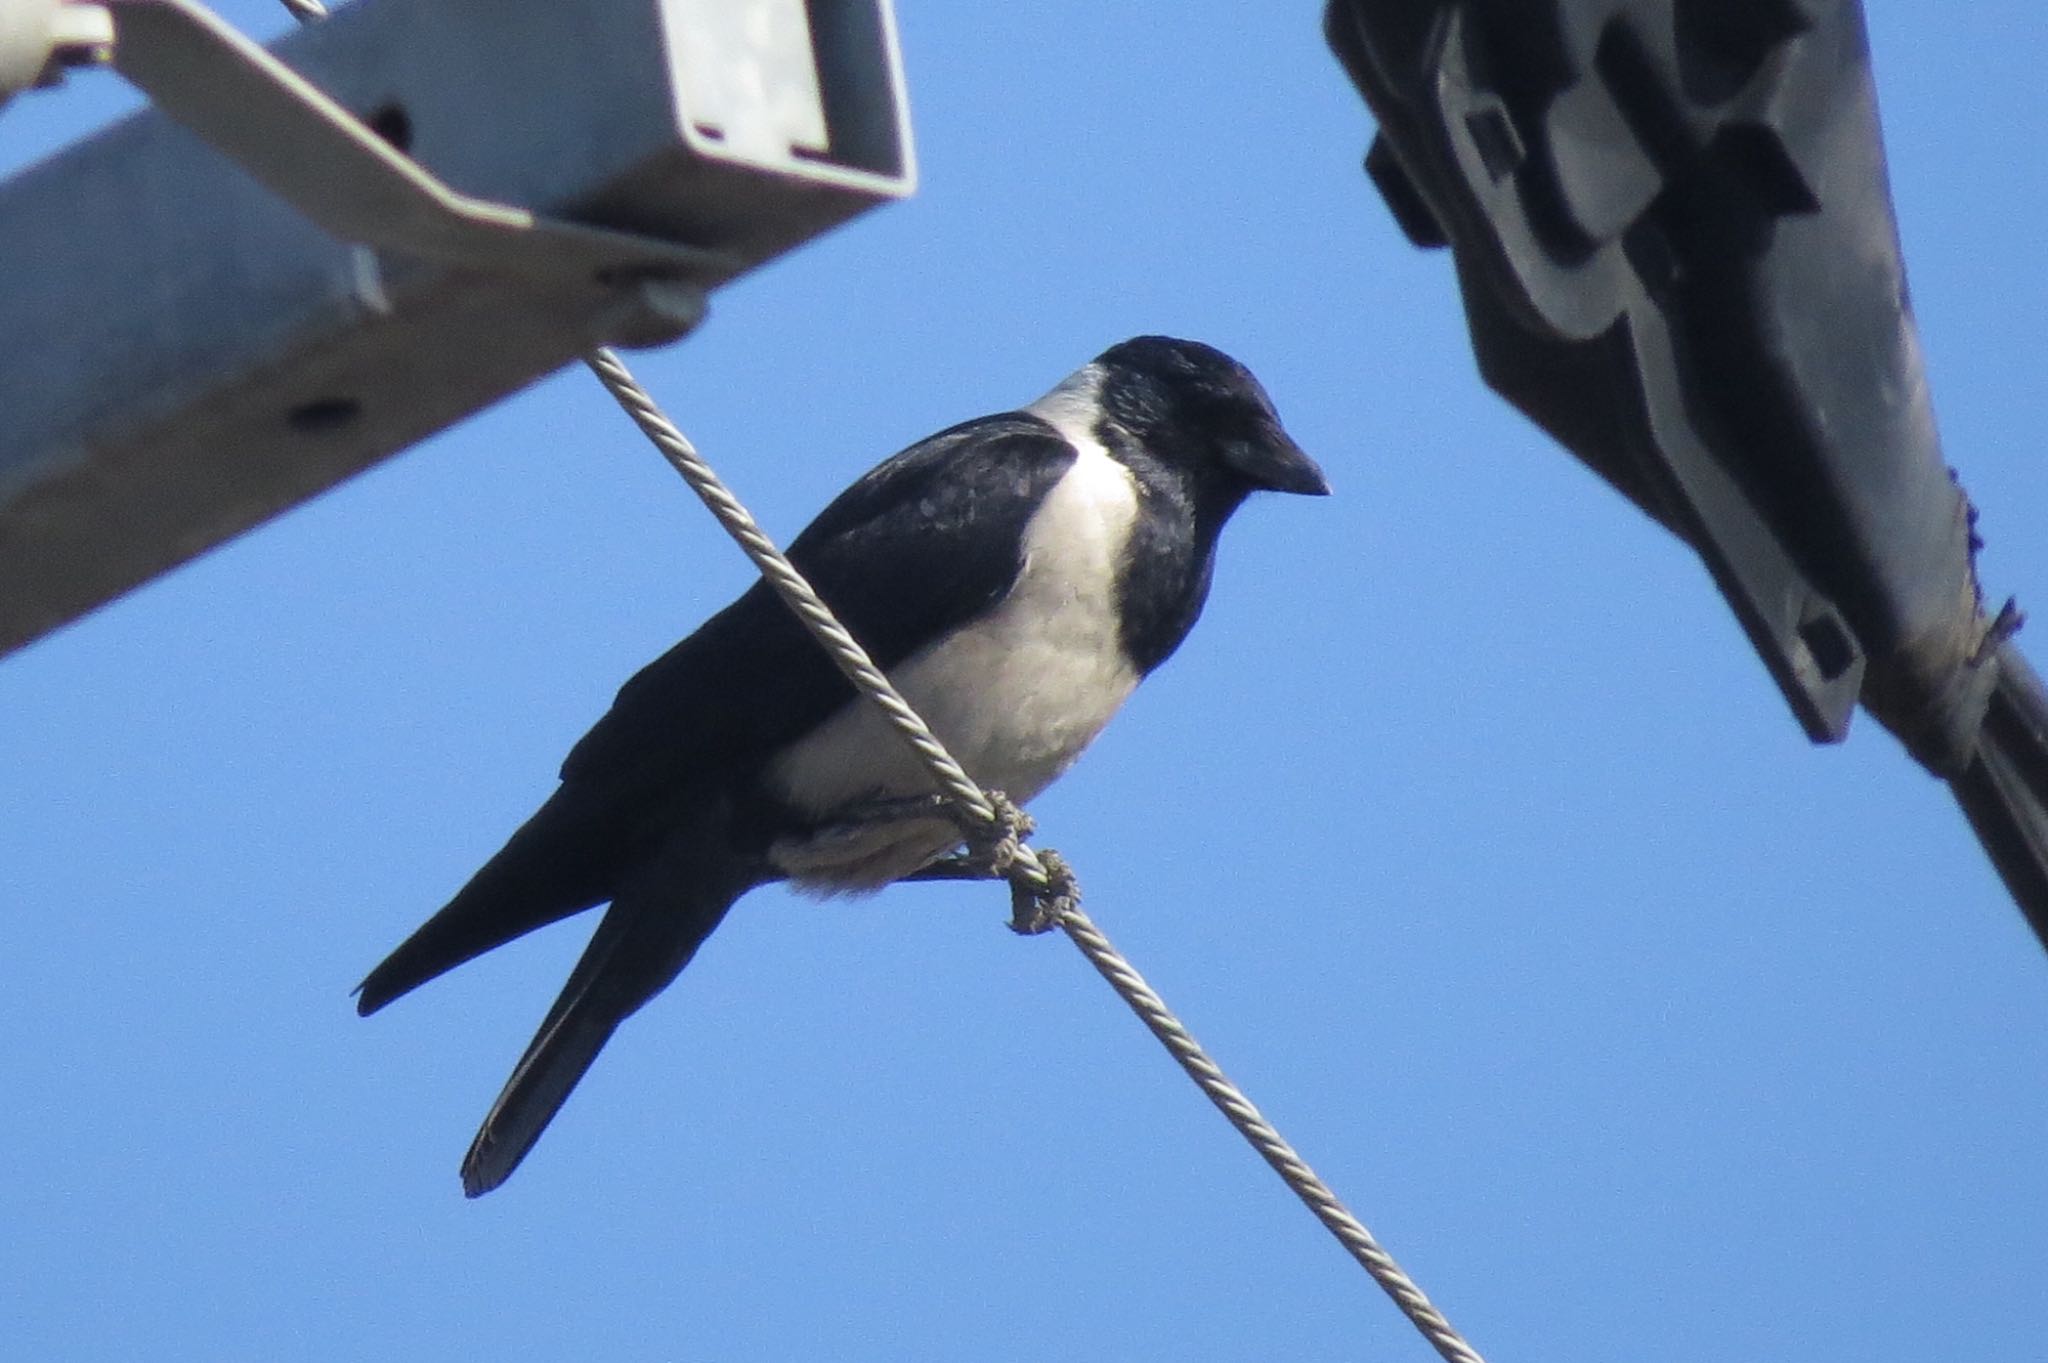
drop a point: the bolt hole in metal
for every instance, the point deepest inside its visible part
(323, 416)
(392, 123)
(1499, 146)
(1831, 650)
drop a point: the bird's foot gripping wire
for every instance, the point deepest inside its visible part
(1042, 885)
(988, 851)
(1038, 908)
(994, 846)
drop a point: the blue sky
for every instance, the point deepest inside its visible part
(1466, 831)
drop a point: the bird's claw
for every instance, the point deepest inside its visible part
(994, 846)
(994, 851)
(1039, 908)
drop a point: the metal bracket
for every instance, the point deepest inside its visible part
(331, 166)
(1676, 245)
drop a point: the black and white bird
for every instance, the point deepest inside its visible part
(1015, 576)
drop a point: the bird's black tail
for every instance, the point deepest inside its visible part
(647, 936)
(2004, 793)
(560, 862)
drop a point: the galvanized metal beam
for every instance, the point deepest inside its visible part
(184, 352)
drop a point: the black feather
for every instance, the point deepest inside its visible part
(646, 937)
(919, 546)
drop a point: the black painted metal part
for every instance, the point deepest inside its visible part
(1675, 240)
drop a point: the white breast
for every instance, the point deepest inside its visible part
(1015, 696)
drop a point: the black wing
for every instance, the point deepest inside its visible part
(920, 545)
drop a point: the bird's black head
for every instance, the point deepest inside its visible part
(1194, 406)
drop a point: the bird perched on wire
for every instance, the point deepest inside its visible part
(1016, 576)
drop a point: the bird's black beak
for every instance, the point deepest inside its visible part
(1273, 461)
